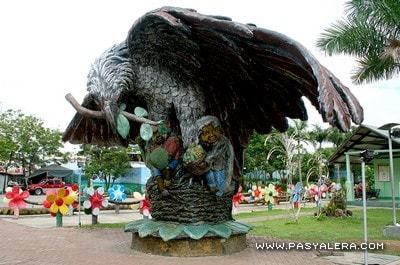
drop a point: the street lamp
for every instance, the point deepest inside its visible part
(365, 157)
(392, 133)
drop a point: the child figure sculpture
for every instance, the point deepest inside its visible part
(163, 171)
(219, 153)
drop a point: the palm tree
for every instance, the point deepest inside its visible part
(371, 32)
(318, 135)
(336, 137)
(301, 135)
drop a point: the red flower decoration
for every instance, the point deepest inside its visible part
(238, 197)
(95, 200)
(16, 197)
(144, 207)
(279, 190)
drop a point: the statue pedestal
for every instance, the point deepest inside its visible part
(187, 240)
(189, 222)
(185, 246)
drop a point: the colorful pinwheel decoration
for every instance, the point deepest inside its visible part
(297, 193)
(74, 193)
(269, 194)
(318, 192)
(279, 191)
(94, 202)
(144, 204)
(58, 202)
(237, 199)
(335, 187)
(117, 194)
(256, 193)
(15, 197)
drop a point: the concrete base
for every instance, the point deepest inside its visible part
(392, 231)
(188, 247)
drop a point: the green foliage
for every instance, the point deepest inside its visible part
(370, 176)
(369, 31)
(255, 153)
(287, 152)
(319, 135)
(23, 138)
(337, 137)
(107, 163)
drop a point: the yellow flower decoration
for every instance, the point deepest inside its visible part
(60, 200)
(270, 193)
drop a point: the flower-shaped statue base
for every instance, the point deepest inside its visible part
(216, 240)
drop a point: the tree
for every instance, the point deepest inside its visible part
(106, 163)
(25, 141)
(337, 137)
(318, 135)
(256, 153)
(371, 32)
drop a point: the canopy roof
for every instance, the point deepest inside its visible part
(365, 137)
(53, 170)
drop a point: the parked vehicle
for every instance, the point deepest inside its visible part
(45, 185)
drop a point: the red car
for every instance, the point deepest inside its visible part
(45, 185)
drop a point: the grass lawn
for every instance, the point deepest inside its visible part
(326, 229)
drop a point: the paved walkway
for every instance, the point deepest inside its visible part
(36, 240)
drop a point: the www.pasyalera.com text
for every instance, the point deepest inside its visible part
(319, 246)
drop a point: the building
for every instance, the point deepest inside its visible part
(11, 175)
(367, 137)
(134, 180)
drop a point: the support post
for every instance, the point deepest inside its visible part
(349, 181)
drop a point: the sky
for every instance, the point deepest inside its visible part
(47, 47)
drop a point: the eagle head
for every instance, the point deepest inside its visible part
(110, 75)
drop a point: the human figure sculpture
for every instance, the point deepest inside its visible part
(171, 146)
(219, 155)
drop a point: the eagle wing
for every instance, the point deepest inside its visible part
(252, 78)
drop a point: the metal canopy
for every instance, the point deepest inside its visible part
(53, 170)
(365, 137)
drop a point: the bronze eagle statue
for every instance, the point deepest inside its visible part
(180, 65)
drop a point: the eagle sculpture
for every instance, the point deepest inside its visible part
(181, 65)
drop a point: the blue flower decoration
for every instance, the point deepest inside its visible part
(296, 192)
(117, 193)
